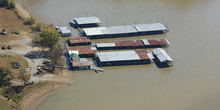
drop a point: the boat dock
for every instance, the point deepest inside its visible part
(83, 52)
(76, 64)
(162, 59)
(124, 31)
(132, 44)
(85, 22)
(75, 41)
(135, 57)
(64, 31)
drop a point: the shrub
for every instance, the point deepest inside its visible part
(11, 4)
(30, 21)
(38, 27)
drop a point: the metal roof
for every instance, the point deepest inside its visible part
(134, 43)
(74, 40)
(87, 20)
(83, 50)
(105, 44)
(145, 41)
(123, 55)
(150, 27)
(110, 30)
(161, 55)
(121, 29)
(64, 30)
(143, 54)
(158, 42)
(118, 56)
(124, 29)
(95, 31)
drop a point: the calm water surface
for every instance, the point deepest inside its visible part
(191, 84)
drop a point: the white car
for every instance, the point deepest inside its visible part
(26, 69)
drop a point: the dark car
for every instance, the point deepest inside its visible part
(3, 47)
(17, 32)
(9, 47)
(4, 32)
(46, 62)
(15, 64)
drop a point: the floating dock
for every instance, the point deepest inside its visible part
(124, 31)
(83, 52)
(136, 57)
(64, 31)
(132, 44)
(162, 59)
(84, 22)
(74, 41)
(75, 64)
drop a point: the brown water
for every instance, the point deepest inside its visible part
(191, 84)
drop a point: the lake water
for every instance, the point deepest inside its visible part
(191, 84)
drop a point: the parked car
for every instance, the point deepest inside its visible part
(29, 83)
(9, 47)
(4, 32)
(26, 69)
(46, 62)
(4, 47)
(15, 64)
(17, 32)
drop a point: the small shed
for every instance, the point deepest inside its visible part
(64, 31)
(162, 58)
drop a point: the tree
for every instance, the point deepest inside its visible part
(50, 38)
(5, 77)
(8, 3)
(55, 55)
(4, 3)
(11, 4)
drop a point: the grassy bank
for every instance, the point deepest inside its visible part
(11, 23)
(6, 60)
(3, 104)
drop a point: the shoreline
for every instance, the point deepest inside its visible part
(24, 8)
(33, 100)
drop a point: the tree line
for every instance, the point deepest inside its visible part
(10, 4)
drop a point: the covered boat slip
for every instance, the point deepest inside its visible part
(64, 31)
(124, 31)
(83, 52)
(162, 59)
(84, 22)
(132, 44)
(124, 58)
(74, 41)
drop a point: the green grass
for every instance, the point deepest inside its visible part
(3, 104)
